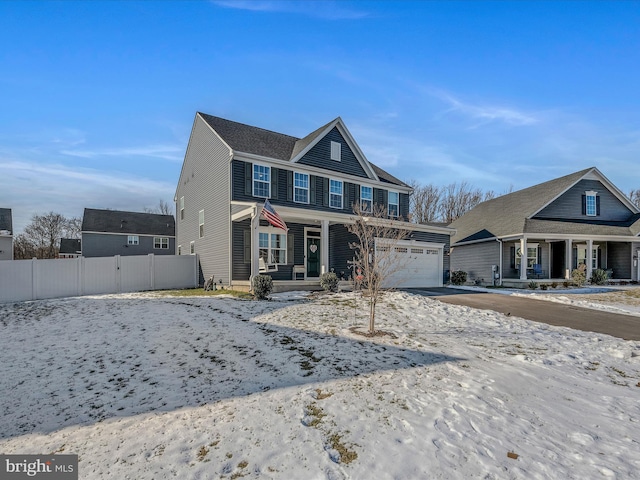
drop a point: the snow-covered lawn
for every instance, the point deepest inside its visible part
(146, 387)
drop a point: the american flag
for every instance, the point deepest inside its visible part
(272, 217)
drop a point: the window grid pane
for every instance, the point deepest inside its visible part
(301, 188)
(591, 205)
(335, 194)
(366, 198)
(261, 181)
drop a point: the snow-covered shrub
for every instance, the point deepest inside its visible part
(458, 277)
(329, 282)
(599, 277)
(262, 286)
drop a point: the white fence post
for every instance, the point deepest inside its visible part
(152, 270)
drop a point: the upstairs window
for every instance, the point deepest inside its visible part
(181, 208)
(366, 198)
(591, 203)
(261, 181)
(336, 151)
(394, 200)
(335, 194)
(301, 187)
(133, 240)
(161, 242)
(201, 223)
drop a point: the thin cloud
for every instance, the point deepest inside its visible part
(173, 153)
(485, 113)
(328, 10)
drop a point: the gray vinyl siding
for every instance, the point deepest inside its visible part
(282, 190)
(6, 248)
(569, 204)
(320, 156)
(204, 183)
(619, 259)
(476, 260)
(108, 245)
(340, 254)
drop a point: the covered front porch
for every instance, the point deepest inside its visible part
(548, 259)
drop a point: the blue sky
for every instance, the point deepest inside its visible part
(97, 99)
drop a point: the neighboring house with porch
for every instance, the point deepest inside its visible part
(70, 248)
(230, 169)
(6, 234)
(113, 232)
(546, 231)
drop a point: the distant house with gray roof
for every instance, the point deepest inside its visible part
(578, 219)
(113, 232)
(6, 234)
(70, 248)
(231, 169)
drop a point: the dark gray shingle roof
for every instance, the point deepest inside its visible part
(116, 221)
(258, 141)
(70, 245)
(6, 222)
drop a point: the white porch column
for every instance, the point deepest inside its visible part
(589, 259)
(568, 261)
(324, 247)
(523, 258)
(255, 249)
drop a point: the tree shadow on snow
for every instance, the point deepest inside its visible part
(219, 352)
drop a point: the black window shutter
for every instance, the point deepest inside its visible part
(346, 203)
(289, 185)
(512, 254)
(385, 201)
(312, 189)
(248, 174)
(325, 192)
(598, 205)
(584, 204)
(539, 255)
(290, 257)
(274, 183)
(247, 246)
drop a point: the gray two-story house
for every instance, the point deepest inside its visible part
(6, 234)
(106, 233)
(229, 171)
(546, 231)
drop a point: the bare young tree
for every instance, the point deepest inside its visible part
(23, 248)
(163, 208)
(374, 264)
(458, 199)
(73, 227)
(634, 196)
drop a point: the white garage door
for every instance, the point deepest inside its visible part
(420, 264)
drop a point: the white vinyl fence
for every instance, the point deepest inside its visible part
(65, 277)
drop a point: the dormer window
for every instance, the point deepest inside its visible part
(336, 151)
(591, 204)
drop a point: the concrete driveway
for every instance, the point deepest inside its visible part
(626, 327)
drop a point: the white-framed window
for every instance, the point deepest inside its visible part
(301, 187)
(133, 240)
(181, 208)
(532, 255)
(582, 255)
(179, 249)
(591, 208)
(192, 248)
(201, 223)
(335, 193)
(366, 198)
(336, 151)
(272, 246)
(261, 181)
(161, 242)
(394, 202)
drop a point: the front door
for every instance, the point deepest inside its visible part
(313, 257)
